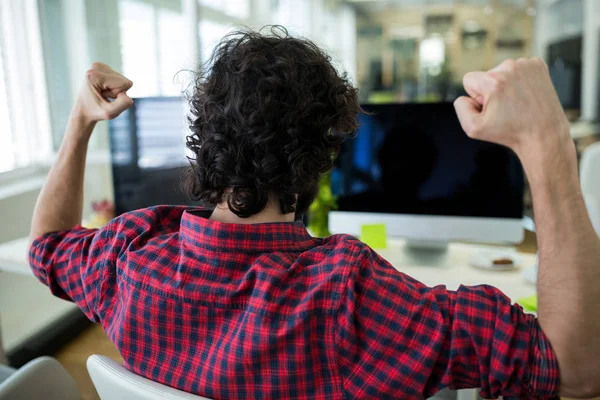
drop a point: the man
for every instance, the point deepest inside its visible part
(240, 302)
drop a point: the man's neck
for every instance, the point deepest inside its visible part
(271, 213)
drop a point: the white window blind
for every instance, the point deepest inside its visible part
(139, 50)
(233, 8)
(24, 123)
(211, 33)
(154, 46)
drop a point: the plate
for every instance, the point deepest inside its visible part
(485, 260)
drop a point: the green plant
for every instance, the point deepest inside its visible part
(318, 212)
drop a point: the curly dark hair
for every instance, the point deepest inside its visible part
(267, 119)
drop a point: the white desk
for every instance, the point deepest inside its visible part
(26, 306)
(13, 256)
(452, 268)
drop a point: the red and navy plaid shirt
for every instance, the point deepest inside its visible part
(267, 311)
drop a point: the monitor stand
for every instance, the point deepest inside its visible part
(427, 245)
(429, 253)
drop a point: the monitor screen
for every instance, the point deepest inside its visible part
(416, 159)
(148, 154)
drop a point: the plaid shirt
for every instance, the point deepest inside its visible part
(267, 311)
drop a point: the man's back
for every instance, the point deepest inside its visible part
(265, 310)
(201, 303)
(229, 311)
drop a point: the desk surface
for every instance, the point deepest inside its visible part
(13, 256)
(26, 306)
(450, 268)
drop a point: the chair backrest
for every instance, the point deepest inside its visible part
(589, 171)
(42, 378)
(115, 382)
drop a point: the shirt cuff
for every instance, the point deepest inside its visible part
(543, 374)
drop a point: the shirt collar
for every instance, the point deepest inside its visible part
(198, 229)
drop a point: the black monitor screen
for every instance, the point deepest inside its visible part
(416, 159)
(148, 154)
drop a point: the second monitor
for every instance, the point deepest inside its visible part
(412, 167)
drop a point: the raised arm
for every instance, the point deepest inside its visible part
(515, 105)
(59, 206)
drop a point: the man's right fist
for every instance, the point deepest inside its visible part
(103, 95)
(514, 104)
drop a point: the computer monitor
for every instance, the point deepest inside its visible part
(412, 168)
(148, 154)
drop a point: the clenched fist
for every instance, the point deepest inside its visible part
(515, 105)
(103, 95)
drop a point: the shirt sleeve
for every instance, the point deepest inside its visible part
(81, 265)
(74, 263)
(401, 339)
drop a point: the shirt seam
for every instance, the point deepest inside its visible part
(345, 392)
(532, 384)
(250, 251)
(101, 298)
(107, 271)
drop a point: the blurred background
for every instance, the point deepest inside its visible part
(394, 51)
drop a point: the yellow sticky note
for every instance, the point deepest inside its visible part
(374, 235)
(529, 303)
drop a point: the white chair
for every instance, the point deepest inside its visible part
(589, 171)
(43, 378)
(115, 382)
